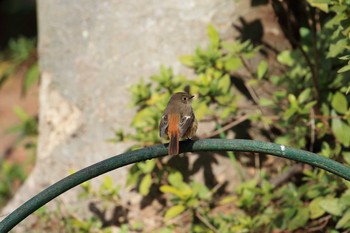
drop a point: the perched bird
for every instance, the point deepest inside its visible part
(178, 121)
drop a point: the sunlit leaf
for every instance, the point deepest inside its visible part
(299, 220)
(337, 48)
(174, 211)
(285, 58)
(315, 209)
(31, 77)
(331, 205)
(187, 60)
(265, 102)
(346, 156)
(320, 4)
(175, 179)
(233, 63)
(213, 36)
(344, 221)
(304, 95)
(341, 130)
(224, 83)
(344, 69)
(145, 185)
(262, 69)
(171, 189)
(339, 102)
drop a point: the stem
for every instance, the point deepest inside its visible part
(316, 66)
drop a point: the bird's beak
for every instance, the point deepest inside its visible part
(191, 96)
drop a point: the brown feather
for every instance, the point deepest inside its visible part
(173, 148)
(173, 132)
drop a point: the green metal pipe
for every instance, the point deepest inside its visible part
(124, 159)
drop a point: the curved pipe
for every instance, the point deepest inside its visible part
(160, 150)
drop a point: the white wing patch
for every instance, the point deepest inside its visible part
(163, 125)
(185, 123)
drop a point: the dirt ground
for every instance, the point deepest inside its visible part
(10, 97)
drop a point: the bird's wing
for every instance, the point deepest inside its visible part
(163, 126)
(186, 122)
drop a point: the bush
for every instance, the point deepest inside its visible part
(305, 106)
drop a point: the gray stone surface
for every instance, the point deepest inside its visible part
(91, 52)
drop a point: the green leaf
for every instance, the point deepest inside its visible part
(228, 199)
(175, 179)
(213, 36)
(224, 83)
(315, 209)
(107, 183)
(326, 150)
(201, 191)
(341, 130)
(201, 109)
(310, 105)
(299, 220)
(337, 48)
(304, 95)
(262, 69)
(346, 156)
(265, 102)
(32, 76)
(20, 113)
(339, 102)
(285, 58)
(344, 69)
(346, 57)
(345, 198)
(145, 185)
(187, 60)
(171, 189)
(147, 166)
(344, 221)
(293, 101)
(332, 206)
(174, 211)
(233, 63)
(320, 4)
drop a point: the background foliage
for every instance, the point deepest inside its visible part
(18, 60)
(300, 99)
(297, 97)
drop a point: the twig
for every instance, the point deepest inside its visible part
(295, 169)
(313, 129)
(225, 128)
(203, 220)
(314, 50)
(320, 224)
(252, 91)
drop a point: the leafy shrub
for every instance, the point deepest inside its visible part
(306, 106)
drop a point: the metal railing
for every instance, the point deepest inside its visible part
(124, 159)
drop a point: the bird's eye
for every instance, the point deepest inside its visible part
(185, 98)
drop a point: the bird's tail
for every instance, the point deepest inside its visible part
(173, 148)
(174, 134)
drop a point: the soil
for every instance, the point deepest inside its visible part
(10, 97)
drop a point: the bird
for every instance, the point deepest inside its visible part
(178, 121)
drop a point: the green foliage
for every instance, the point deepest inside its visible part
(64, 219)
(309, 102)
(20, 59)
(11, 175)
(190, 197)
(304, 106)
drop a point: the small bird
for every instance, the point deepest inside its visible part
(178, 121)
